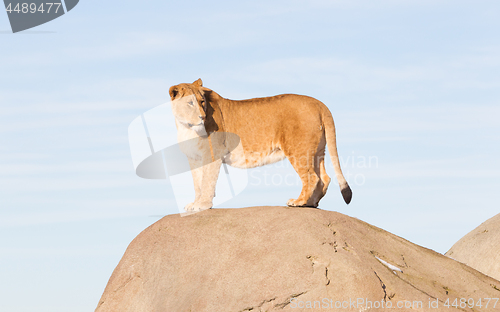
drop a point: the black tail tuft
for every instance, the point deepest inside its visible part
(346, 193)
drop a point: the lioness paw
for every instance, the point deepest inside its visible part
(203, 205)
(298, 203)
(198, 206)
(189, 207)
(292, 203)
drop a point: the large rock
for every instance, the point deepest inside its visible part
(277, 258)
(480, 248)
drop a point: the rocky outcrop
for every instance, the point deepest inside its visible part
(290, 259)
(480, 248)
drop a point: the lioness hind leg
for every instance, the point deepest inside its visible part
(322, 185)
(304, 166)
(325, 179)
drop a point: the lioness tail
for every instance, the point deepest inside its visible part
(331, 141)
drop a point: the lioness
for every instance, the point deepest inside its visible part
(265, 130)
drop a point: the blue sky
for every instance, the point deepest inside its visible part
(415, 85)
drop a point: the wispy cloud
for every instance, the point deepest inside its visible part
(69, 167)
(347, 75)
(89, 210)
(417, 121)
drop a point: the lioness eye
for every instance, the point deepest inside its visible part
(190, 103)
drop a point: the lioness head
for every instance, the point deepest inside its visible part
(188, 103)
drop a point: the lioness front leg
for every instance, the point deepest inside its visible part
(205, 181)
(197, 173)
(208, 184)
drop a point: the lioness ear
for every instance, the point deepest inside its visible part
(198, 83)
(173, 92)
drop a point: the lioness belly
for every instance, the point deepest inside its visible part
(239, 158)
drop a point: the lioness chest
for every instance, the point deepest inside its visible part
(191, 142)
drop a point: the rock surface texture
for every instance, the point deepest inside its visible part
(285, 259)
(480, 248)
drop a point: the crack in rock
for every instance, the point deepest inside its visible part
(326, 275)
(131, 278)
(334, 245)
(383, 286)
(347, 247)
(406, 264)
(331, 229)
(281, 305)
(425, 293)
(316, 265)
(259, 305)
(287, 300)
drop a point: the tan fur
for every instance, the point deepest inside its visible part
(266, 131)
